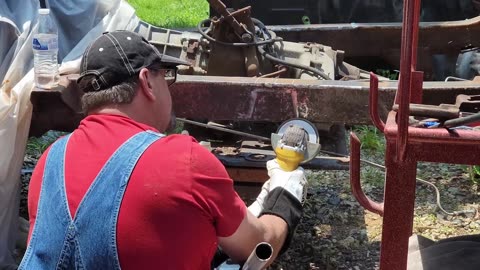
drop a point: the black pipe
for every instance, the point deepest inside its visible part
(462, 121)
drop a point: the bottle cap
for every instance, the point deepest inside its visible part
(44, 11)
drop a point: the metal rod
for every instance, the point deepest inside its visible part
(259, 257)
(373, 103)
(451, 78)
(220, 7)
(462, 121)
(355, 184)
(406, 68)
(275, 73)
(261, 138)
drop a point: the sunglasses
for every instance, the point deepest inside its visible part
(170, 75)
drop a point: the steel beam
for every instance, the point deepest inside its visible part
(276, 100)
(251, 99)
(364, 41)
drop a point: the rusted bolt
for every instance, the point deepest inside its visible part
(247, 38)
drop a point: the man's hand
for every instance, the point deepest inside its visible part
(257, 206)
(293, 182)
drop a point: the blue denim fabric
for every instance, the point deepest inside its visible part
(87, 241)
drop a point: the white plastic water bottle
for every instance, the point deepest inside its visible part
(45, 51)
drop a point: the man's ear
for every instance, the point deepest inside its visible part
(145, 81)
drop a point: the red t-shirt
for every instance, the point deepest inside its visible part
(178, 200)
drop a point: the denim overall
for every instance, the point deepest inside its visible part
(88, 241)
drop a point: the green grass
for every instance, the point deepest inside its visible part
(391, 74)
(474, 173)
(371, 139)
(36, 146)
(373, 176)
(171, 13)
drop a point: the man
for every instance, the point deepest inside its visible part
(117, 193)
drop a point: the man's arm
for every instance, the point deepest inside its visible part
(253, 230)
(272, 218)
(279, 207)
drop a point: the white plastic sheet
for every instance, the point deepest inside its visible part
(79, 23)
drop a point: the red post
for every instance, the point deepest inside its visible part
(398, 210)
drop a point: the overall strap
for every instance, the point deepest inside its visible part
(53, 215)
(97, 214)
(89, 240)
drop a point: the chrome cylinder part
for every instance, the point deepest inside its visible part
(259, 257)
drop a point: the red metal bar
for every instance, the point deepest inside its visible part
(406, 63)
(373, 103)
(408, 145)
(415, 29)
(416, 90)
(416, 86)
(355, 184)
(399, 208)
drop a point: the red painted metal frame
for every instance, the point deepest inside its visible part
(405, 146)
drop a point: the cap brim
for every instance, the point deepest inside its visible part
(173, 61)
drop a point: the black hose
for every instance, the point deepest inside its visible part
(235, 44)
(299, 66)
(262, 27)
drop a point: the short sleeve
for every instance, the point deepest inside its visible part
(213, 189)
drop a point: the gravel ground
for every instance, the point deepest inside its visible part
(337, 233)
(333, 233)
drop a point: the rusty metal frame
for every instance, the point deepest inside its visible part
(251, 99)
(365, 41)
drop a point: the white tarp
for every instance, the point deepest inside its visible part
(79, 22)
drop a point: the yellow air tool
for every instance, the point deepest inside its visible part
(296, 142)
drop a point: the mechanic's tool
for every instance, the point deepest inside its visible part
(296, 142)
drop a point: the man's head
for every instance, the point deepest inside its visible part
(121, 71)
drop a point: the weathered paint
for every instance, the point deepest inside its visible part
(252, 99)
(405, 147)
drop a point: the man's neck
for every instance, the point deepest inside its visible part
(110, 111)
(123, 111)
(136, 115)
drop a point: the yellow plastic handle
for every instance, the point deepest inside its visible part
(288, 160)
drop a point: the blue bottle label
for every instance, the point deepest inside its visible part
(45, 42)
